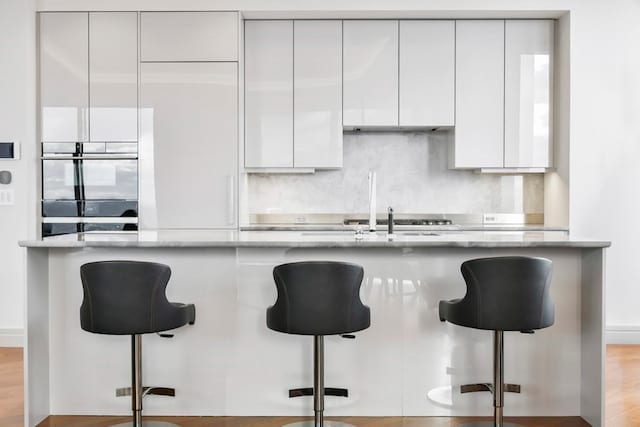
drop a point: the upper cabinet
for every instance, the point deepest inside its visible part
(188, 36)
(268, 94)
(427, 71)
(370, 73)
(479, 133)
(89, 77)
(293, 94)
(64, 76)
(317, 92)
(399, 73)
(113, 77)
(504, 75)
(528, 93)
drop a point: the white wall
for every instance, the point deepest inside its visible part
(604, 119)
(17, 123)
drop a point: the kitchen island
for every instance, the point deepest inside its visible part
(407, 363)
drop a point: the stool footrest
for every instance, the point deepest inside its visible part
(472, 388)
(328, 391)
(158, 391)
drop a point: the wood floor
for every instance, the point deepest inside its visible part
(622, 402)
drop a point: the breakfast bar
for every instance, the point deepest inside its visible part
(229, 363)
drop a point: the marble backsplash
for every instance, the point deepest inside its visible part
(412, 177)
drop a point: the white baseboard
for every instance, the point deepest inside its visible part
(623, 334)
(11, 337)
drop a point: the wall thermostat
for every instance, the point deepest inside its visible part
(9, 150)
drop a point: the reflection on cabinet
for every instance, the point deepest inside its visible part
(317, 94)
(427, 71)
(370, 73)
(268, 94)
(64, 74)
(479, 132)
(528, 89)
(188, 145)
(504, 76)
(293, 95)
(88, 76)
(113, 77)
(188, 36)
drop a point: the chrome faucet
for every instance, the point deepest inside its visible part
(372, 202)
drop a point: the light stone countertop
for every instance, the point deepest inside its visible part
(324, 239)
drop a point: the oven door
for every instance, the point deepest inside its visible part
(87, 181)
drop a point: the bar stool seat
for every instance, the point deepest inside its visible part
(503, 294)
(318, 298)
(128, 298)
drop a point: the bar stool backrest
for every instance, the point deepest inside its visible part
(318, 298)
(127, 298)
(506, 294)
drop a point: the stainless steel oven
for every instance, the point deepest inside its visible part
(89, 186)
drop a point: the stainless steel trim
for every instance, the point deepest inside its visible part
(91, 157)
(88, 219)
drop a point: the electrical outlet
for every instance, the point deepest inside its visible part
(7, 197)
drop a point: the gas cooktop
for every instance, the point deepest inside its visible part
(418, 222)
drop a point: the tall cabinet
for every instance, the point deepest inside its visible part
(188, 120)
(88, 120)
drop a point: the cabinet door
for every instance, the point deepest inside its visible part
(528, 88)
(479, 133)
(268, 94)
(113, 76)
(188, 36)
(370, 73)
(427, 71)
(188, 145)
(318, 94)
(64, 73)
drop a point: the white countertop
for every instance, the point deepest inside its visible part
(232, 238)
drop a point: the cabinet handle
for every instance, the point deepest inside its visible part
(231, 209)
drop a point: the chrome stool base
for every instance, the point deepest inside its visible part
(312, 423)
(489, 424)
(147, 424)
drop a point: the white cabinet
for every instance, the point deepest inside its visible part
(293, 94)
(427, 70)
(370, 73)
(528, 89)
(188, 36)
(268, 94)
(188, 145)
(317, 94)
(89, 76)
(504, 75)
(479, 131)
(64, 74)
(113, 76)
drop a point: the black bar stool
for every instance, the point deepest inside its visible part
(503, 294)
(128, 298)
(318, 298)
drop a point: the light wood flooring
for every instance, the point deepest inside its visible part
(622, 402)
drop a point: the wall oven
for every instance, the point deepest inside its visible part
(89, 187)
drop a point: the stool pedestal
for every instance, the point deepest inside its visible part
(137, 392)
(318, 390)
(498, 387)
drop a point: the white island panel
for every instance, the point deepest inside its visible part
(229, 363)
